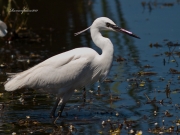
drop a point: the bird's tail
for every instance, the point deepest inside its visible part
(13, 82)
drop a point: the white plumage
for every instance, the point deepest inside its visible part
(3, 29)
(65, 72)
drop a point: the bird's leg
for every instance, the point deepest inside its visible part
(63, 101)
(52, 114)
(84, 95)
(61, 109)
(60, 112)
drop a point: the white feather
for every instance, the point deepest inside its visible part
(77, 67)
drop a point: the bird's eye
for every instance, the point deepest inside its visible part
(108, 24)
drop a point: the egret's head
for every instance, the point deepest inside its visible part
(104, 23)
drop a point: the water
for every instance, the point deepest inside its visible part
(144, 92)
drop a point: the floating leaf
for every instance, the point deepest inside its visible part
(115, 132)
(174, 71)
(173, 61)
(146, 73)
(142, 84)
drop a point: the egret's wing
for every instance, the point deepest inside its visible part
(56, 72)
(59, 76)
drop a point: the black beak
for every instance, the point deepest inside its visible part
(118, 29)
(128, 32)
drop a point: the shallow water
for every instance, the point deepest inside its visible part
(142, 89)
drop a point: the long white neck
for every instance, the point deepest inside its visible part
(105, 45)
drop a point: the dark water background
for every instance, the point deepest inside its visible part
(142, 89)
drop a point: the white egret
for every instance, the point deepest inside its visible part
(65, 72)
(3, 29)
